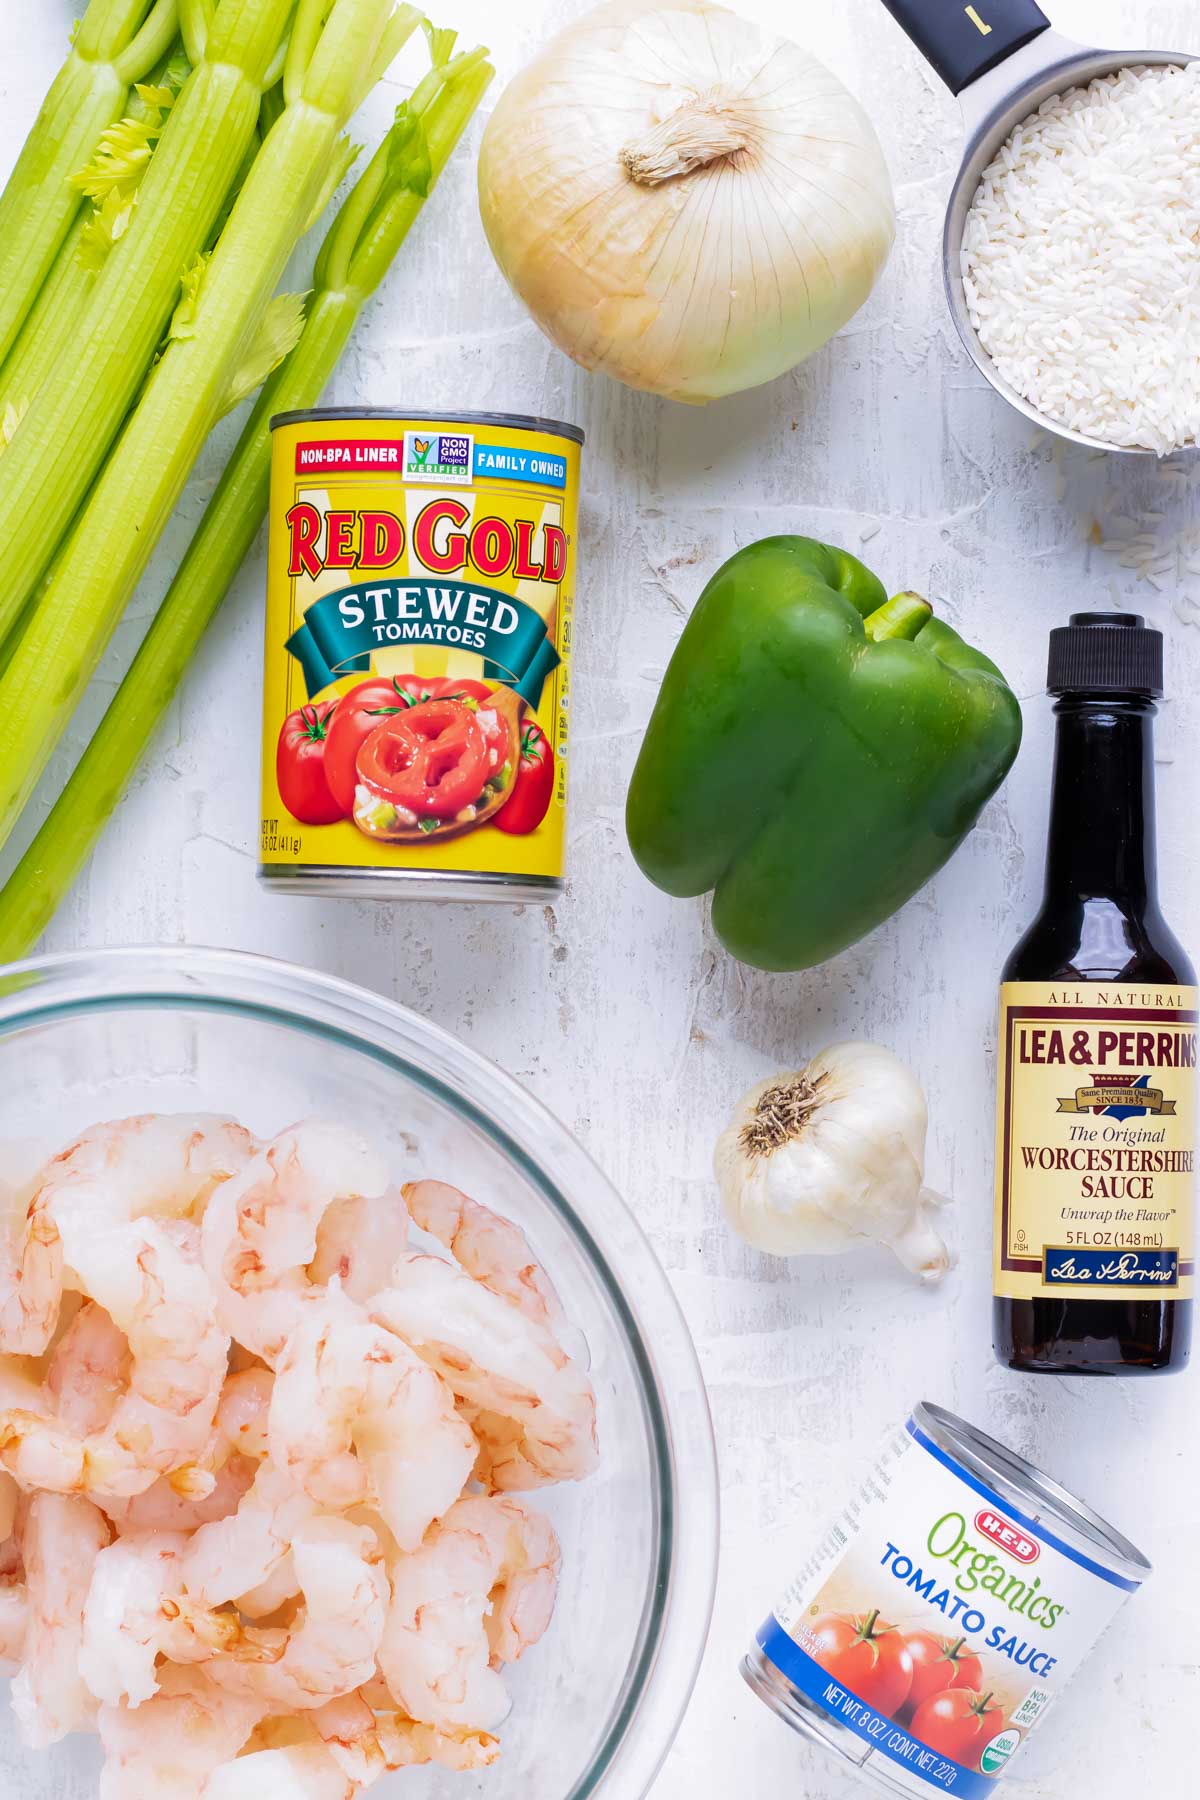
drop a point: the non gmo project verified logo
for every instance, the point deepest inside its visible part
(445, 458)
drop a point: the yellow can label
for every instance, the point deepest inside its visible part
(420, 586)
(1095, 1140)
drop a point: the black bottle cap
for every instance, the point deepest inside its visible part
(1106, 653)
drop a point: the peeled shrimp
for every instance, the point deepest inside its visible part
(31, 1263)
(152, 1287)
(242, 1413)
(239, 1442)
(88, 1370)
(163, 1166)
(136, 1611)
(357, 1415)
(161, 1507)
(14, 1622)
(14, 1604)
(497, 1360)
(526, 1559)
(334, 1644)
(169, 1746)
(358, 1240)
(260, 1231)
(478, 1593)
(366, 1745)
(490, 1248)
(234, 1556)
(296, 1772)
(62, 1537)
(10, 1494)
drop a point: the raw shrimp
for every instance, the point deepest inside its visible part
(160, 1165)
(296, 1772)
(242, 1413)
(239, 1442)
(62, 1537)
(151, 1285)
(136, 1611)
(366, 1746)
(162, 1507)
(356, 1414)
(31, 1266)
(490, 1248)
(234, 1556)
(14, 1603)
(334, 1644)
(260, 1232)
(526, 1559)
(169, 1746)
(14, 1621)
(497, 1360)
(478, 1592)
(358, 1240)
(502, 1466)
(10, 1493)
(88, 1370)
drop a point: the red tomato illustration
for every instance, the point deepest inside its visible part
(300, 765)
(430, 761)
(530, 799)
(864, 1655)
(368, 705)
(938, 1664)
(958, 1723)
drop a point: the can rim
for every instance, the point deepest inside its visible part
(1014, 1475)
(515, 421)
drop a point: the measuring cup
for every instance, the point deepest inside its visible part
(1002, 59)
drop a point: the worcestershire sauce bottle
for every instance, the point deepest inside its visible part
(1095, 1134)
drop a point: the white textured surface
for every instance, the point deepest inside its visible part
(616, 1005)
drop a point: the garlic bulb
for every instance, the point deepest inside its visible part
(832, 1157)
(683, 200)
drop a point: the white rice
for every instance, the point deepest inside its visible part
(1081, 258)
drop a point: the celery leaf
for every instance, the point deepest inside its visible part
(277, 337)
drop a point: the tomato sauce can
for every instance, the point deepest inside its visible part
(942, 1613)
(416, 692)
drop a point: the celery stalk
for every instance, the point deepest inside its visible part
(51, 325)
(94, 576)
(63, 438)
(360, 246)
(118, 41)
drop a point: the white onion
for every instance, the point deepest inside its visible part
(683, 200)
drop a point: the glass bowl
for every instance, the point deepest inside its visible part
(99, 1036)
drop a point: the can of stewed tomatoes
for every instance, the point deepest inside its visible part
(420, 590)
(943, 1612)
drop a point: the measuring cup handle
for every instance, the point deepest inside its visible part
(963, 41)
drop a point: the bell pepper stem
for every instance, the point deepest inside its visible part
(903, 616)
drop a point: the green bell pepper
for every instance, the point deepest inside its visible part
(816, 753)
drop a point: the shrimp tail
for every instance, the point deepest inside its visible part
(193, 1633)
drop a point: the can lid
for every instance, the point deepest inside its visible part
(1105, 653)
(508, 421)
(1034, 1495)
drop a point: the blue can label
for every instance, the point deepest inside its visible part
(936, 1622)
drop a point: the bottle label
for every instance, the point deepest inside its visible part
(1095, 1140)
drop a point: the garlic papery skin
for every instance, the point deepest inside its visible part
(831, 1158)
(683, 200)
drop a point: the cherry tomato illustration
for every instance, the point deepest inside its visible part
(430, 761)
(534, 786)
(368, 705)
(300, 765)
(958, 1723)
(865, 1656)
(939, 1663)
